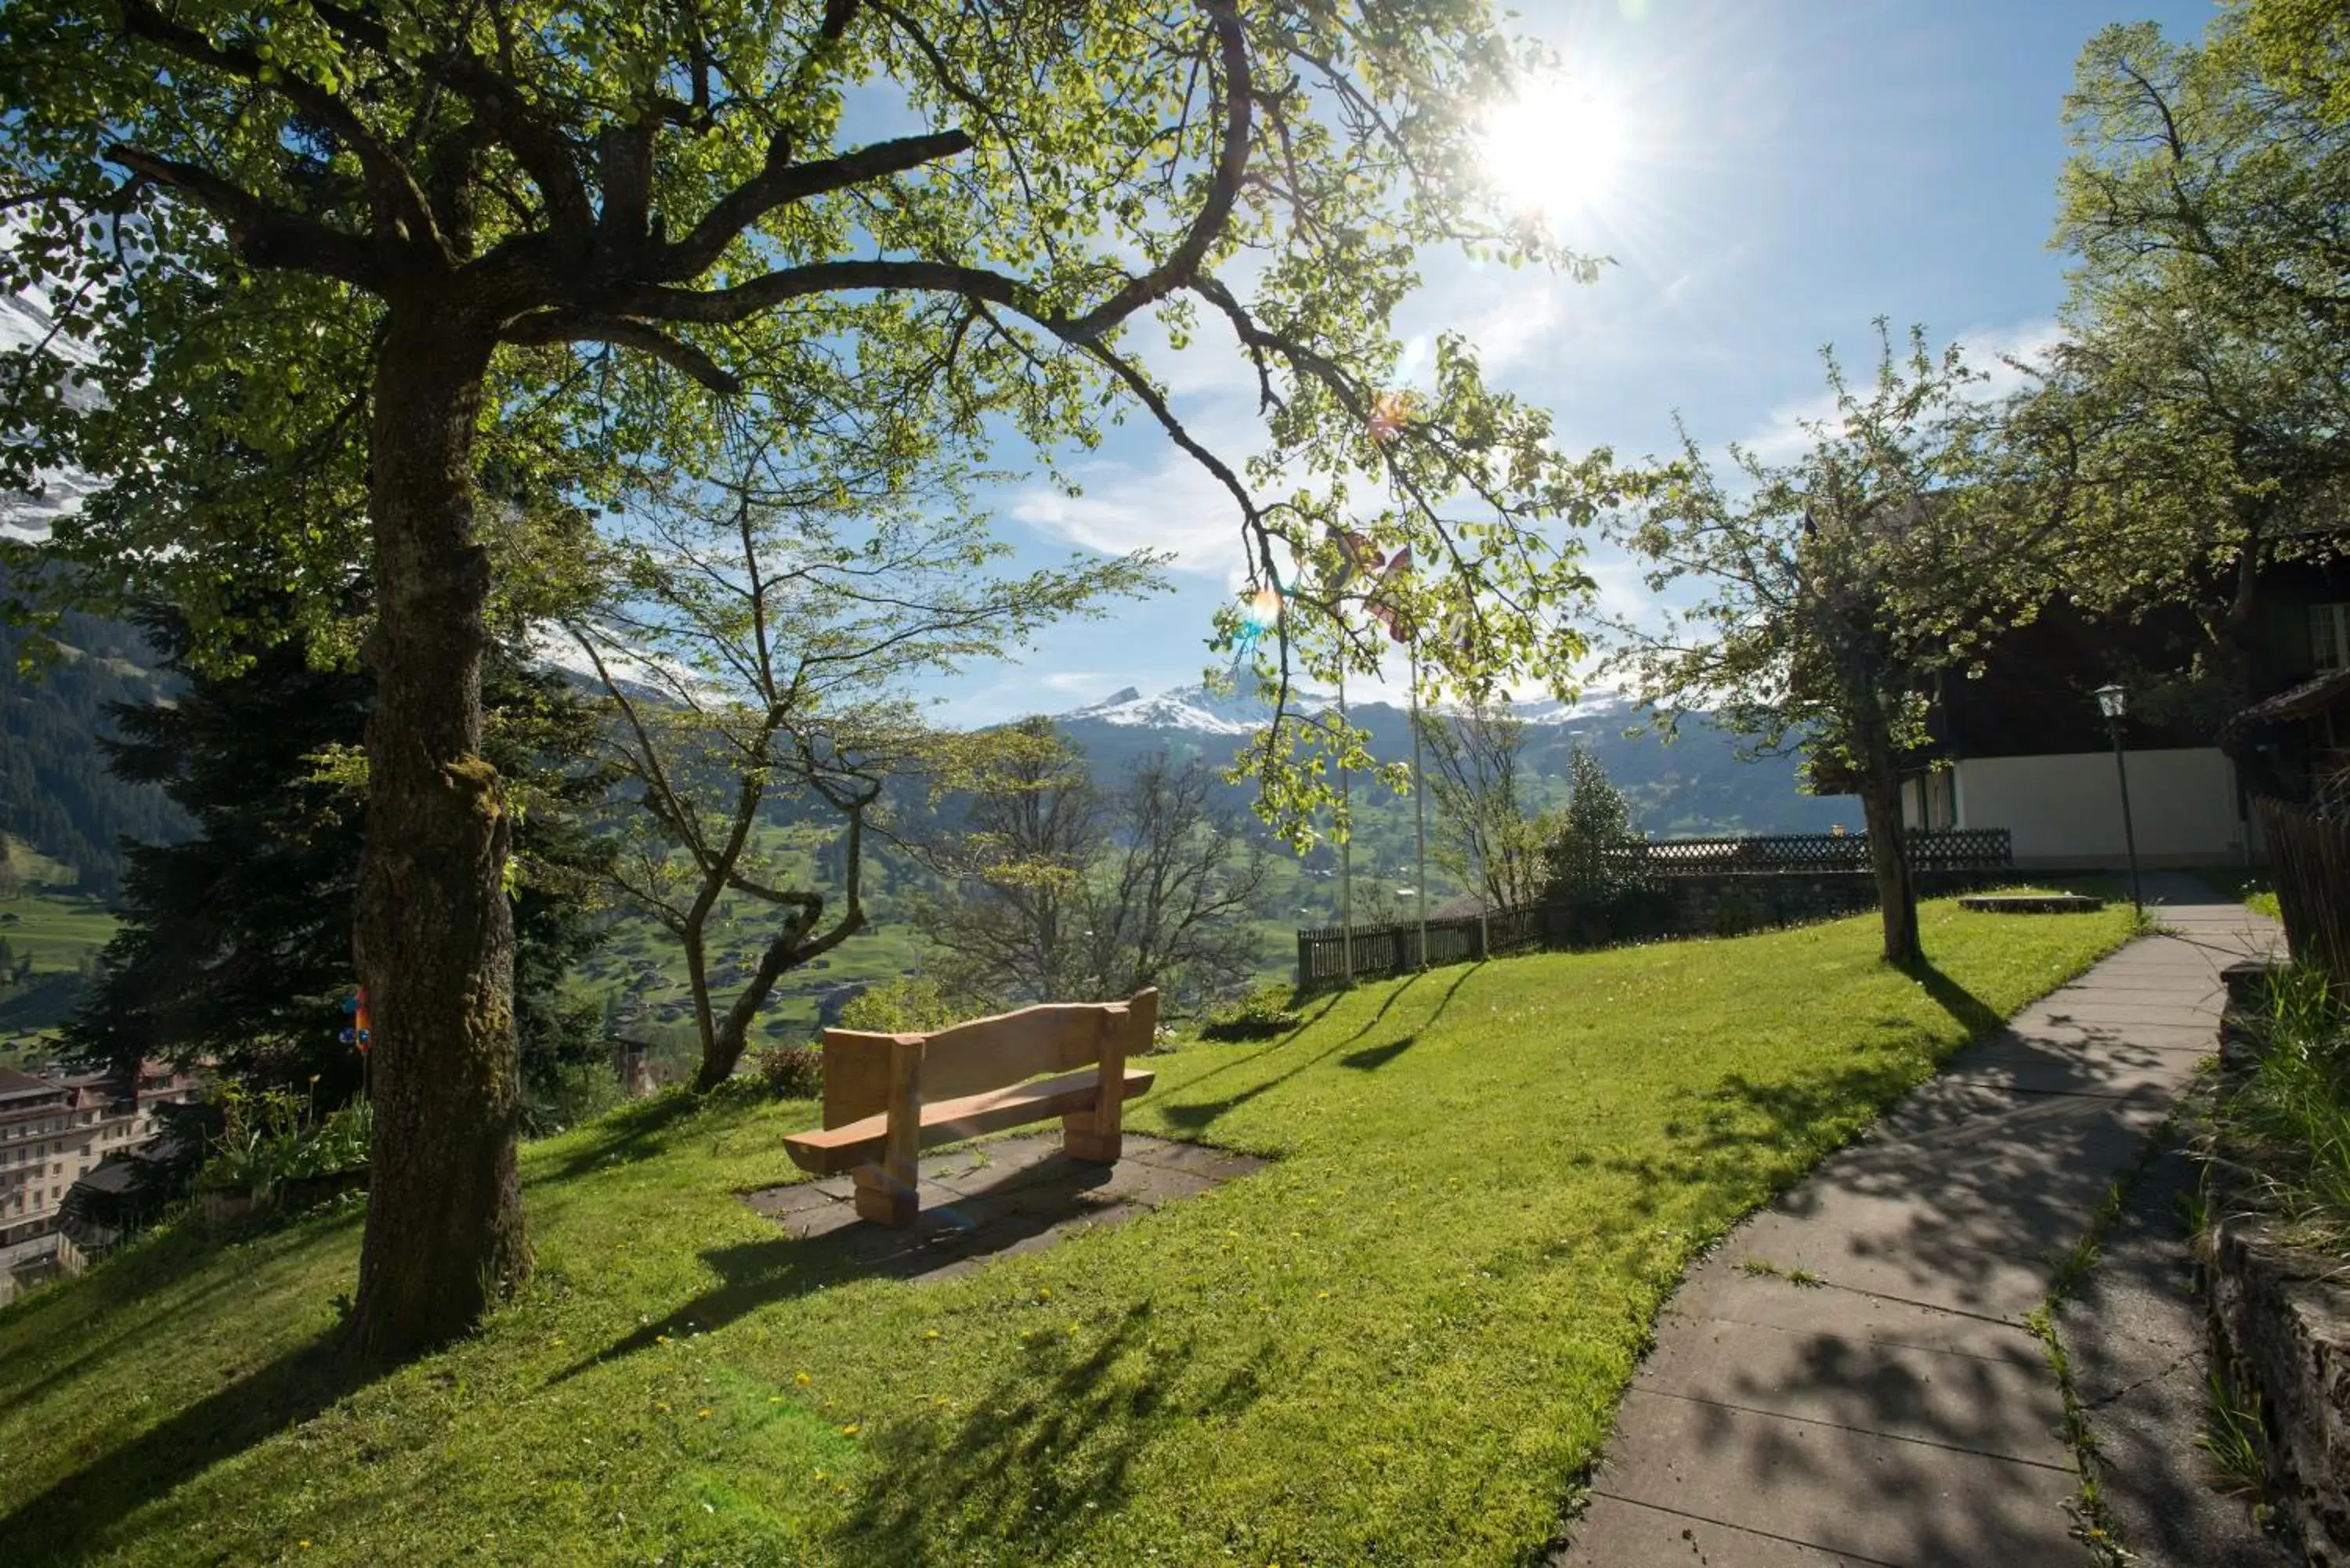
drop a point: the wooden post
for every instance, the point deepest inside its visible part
(1098, 1135)
(886, 1192)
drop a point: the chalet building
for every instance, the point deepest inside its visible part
(2021, 745)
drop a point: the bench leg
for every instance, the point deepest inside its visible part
(885, 1197)
(1098, 1135)
(1084, 1137)
(885, 1190)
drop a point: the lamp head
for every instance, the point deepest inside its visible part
(2112, 701)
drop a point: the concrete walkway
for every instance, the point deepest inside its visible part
(1846, 1380)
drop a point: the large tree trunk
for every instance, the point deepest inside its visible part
(1888, 853)
(433, 936)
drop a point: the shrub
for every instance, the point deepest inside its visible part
(1259, 1014)
(910, 1005)
(790, 1071)
(271, 1137)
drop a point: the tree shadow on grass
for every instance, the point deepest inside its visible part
(1732, 1131)
(73, 1519)
(1198, 1116)
(1371, 1058)
(1367, 1025)
(133, 1297)
(751, 1275)
(1048, 1452)
(1973, 1014)
(632, 1132)
(950, 1238)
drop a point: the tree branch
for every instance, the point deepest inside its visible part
(1223, 190)
(265, 234)
(576, 326)
(545, 154)
(781, 182)
(747, 299)
(398, 201)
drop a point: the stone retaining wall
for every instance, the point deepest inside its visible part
(2279, 1326)
(2280, 1319)
(1731, 903)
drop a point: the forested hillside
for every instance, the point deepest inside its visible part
(56, 792)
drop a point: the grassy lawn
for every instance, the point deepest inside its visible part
(56, 928)
(1401, 1343)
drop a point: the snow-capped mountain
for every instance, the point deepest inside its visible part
(1196, 709)
(1697, 785)
(25, 321)
(1193, 709)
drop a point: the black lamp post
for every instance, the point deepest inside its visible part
(2113, 703)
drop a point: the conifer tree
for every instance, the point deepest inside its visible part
(236, 945)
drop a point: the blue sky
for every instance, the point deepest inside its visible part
(1786, 171)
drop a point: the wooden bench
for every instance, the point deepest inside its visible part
(886, 1097)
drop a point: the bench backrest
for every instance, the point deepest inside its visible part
(986, 1053)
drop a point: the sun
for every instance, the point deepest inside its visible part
(1555, 152)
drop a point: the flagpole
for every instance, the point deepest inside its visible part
(1419, 799)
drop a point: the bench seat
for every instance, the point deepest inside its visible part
(832, 1150)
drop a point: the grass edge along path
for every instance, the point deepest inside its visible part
(1399, 1344)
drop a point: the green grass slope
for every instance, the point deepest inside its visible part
(1401, 1343)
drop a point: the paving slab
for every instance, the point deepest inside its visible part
(2047, 1067)
(1768, 1301)
(1986, 1281)
(1615, 1532)
(1863, 1494)
(990, 1201)
(1892, 1411)
(2002, 1404)
(2136, 1337)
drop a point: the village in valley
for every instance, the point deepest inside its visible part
(1240, 783)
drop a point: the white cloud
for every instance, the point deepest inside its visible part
(1174, 507)
(1782, 436)
(1990, 348)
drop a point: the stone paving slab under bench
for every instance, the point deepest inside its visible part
(988, 1200)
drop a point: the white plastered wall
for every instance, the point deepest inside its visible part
(2065, 811)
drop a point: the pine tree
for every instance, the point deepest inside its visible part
(236, 945)
(1596, 820)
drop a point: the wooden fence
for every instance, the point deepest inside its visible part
(1777, 874)
(1391, 950)
(2309, 855)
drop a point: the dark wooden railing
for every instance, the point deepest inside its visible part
(1956, 849)
(2309, 856)
(1394, 949)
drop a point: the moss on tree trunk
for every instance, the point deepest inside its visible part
(433, 936)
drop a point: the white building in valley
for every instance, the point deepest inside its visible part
(54, 1130)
